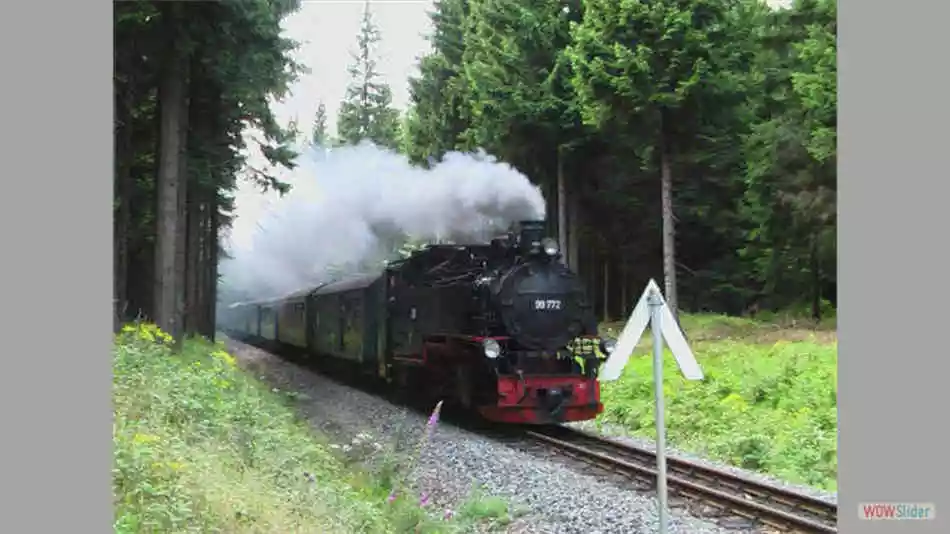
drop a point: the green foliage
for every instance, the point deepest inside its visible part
(633, 59)
(439, 96)
(318, 137)
(512, 71)
(366, 112)
(486, 510)
(741, 96)
(238, 63)
(790, 170)
(248, 59)
(663, 79)
(765, 405)
(202, 447)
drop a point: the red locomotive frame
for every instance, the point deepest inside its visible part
(509, 399)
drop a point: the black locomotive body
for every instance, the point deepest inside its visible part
(503, 328)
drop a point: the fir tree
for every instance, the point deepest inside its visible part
(319, 135)
(366, 112)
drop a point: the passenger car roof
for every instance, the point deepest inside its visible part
(356, 282)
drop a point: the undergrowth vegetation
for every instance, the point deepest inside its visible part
(200, 446)
(768, 402)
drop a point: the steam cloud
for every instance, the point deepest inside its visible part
(351, 207)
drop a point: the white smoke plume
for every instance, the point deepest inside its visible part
(351, 206)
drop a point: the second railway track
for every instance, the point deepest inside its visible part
(777, 507)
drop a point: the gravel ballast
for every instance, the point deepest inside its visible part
(552, 497)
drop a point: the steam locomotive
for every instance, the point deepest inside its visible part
(504, 328)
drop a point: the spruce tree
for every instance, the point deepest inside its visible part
(319, 135)
(366, 112)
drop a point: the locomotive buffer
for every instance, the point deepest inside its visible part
(652, 308)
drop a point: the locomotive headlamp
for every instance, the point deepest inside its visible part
(607, 346)
(492, 349)
(550, 246)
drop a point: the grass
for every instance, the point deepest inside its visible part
(200, 446)
(768, 402)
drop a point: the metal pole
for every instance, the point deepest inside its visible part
(655, 306)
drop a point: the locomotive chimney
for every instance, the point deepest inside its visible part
(532, 232)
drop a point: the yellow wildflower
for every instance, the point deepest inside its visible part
(735, 401)
(148, 332)
(224, 357)
(144, 438)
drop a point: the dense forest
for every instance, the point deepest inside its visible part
(688, 140)
(692, 138)
(191, 80)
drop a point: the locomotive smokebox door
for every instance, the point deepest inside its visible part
(542, 305)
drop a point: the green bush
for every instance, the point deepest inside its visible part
(766, 407)
(199, 446)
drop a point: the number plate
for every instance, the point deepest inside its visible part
(547, 304)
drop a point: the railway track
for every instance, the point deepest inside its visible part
(779, 508)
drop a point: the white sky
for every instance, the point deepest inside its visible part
(326, 31)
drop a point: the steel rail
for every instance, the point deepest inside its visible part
(776, 506)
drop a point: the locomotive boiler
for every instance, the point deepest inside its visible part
(503, 328)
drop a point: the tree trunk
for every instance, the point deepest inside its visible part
(172, 96)
(123, 216)
(194, 256)
(143, 253)
(624, 283)
(590, 274)
(574, 228)
(816, 279)
(669, 228)
(562, 209)
(200, 131)
(181, 240)
(212, 269)
(606, 288)
(201, 271)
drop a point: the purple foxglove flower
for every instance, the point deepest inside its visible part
(434, 418)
